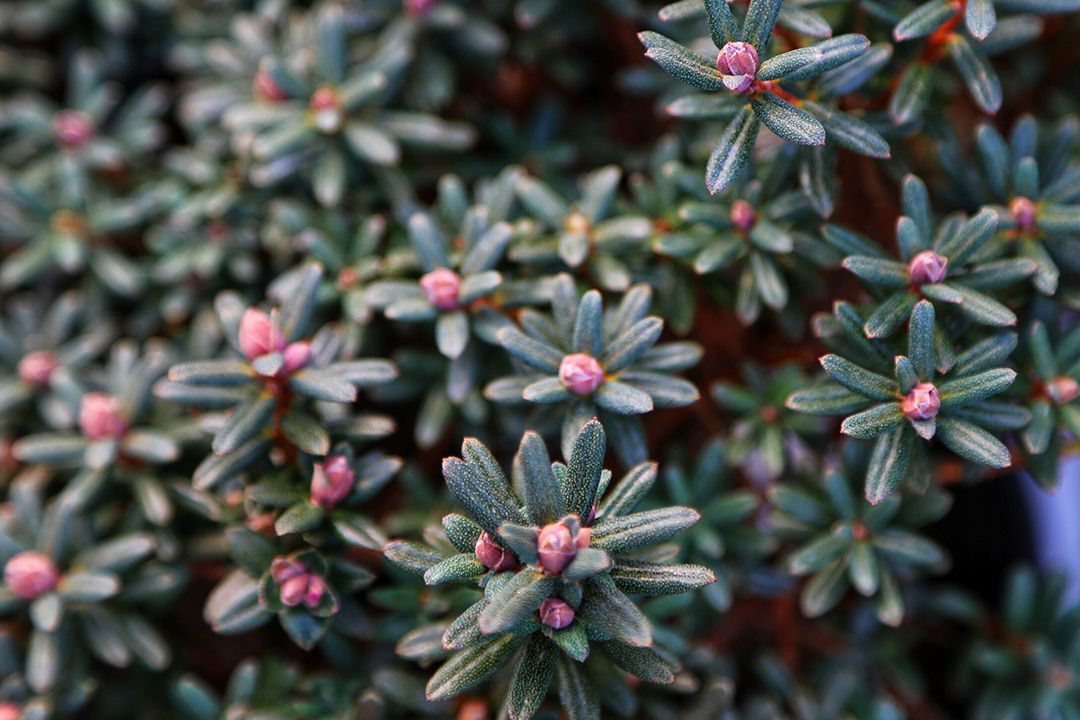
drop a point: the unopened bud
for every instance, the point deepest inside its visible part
(922, 403)
(581, 373)
(30, 574)
(556, 613)
(927, 268)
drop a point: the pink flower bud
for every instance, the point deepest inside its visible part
(1023, 212)
(37, 367)
(9, 711)
(927, 268)
(325, 98)
(294, 589)
(1063, 390)
(297, 355)
(555, 613)
(743, 215)
(493, 555)
(738, 64)
(584, 535)
(581, 373)
(99, 416)
(265, 88)
(557, 547)
(331, 481)
(441, 288)
(30, 574)
(283, 569)
(73, 128)
(922, 403)
(316, 588)
(419, 7)
(259, 334)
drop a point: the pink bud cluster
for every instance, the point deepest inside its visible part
(99, 416)
(298, 583)
(556, 613)
(331, 481)
(259, 335)
(442, 288)
(493, 555)
(36, 368)
(922, 403)
(738, 66)
(557, 546)
(73, 128)
(580, 373)
(927, 268)
(30, 574)
(1024, 213)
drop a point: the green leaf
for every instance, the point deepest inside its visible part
(461, 531)
(966, 390)
(588, 562)
(517, 599)
(817, 554)
(488, 502)
(212, 372)
(980, 18)
(640, 662)
(608, 610)
(304, 431)
(759, 23)
(573, 641)
(879, 272)
(971, 236)
(779, 66)
(983, 309)
(888, 464)
(787, 121)
(921, 340)
(890, 314)
(732, 151)
(826, 398)
(411, 556)
(640, 577)
(912, 95)
(456, 567)
(722, 24)
(823, 590)
(982, 82)
(835, 52)
(849, 132)
(630, 490)
(245, 422)
(322, 385)
(680, 61)
(532, 676)
(452, 333)
(923, 20)
(859, 379)
(470, 667)
(530, 351)
(626, 533)
(873, 422)
(972, 443)
(576, 694)
(543, 499)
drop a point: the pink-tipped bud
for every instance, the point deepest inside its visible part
(30, 574)
(927, 268)
(743, 215)
(294, 589)
(259, 334)
(581, 373)
(557, 547)
(493, 555)
(36, 368)
(99, 416)
(555, 613)
(315, 590)
(331, 481)
(738, 64)
(922, 403)
(297, 355)
(584, 535)
(283, 569)
(419, 7)
(265, 88)
(1063, 390)
(1023, 212)
(441, 287)
(325, 99)
(9, 711)
(73, 128)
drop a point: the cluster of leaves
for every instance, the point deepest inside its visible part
(263, 264)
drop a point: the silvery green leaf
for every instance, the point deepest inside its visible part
(372, 144)
(732, 151)
(622, 399)
(412, 557)
(608, 610)
(216, 468)
(722, 24)
(322, 385)
(628, 491)
(152, 447)
(787, 121)
(547, 390)
(780, 66)
(302, 517)
(532, 467)
(912, 95)
(588, 562)
(456, 567)
(245, 422)
(641, 662)
(680, 61)
(470, 667)
(487, 501)
(479, 285)
(849, 131)
(358, 531)
(639, 577)
(923, 20)
(452, 333)
(631, 532)
(529, 350)
(982, 82)
(759, 23)
(532, 676)
(971, 442)
(88, 587)
(521, 596)
(576, 693)
(889, 462)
